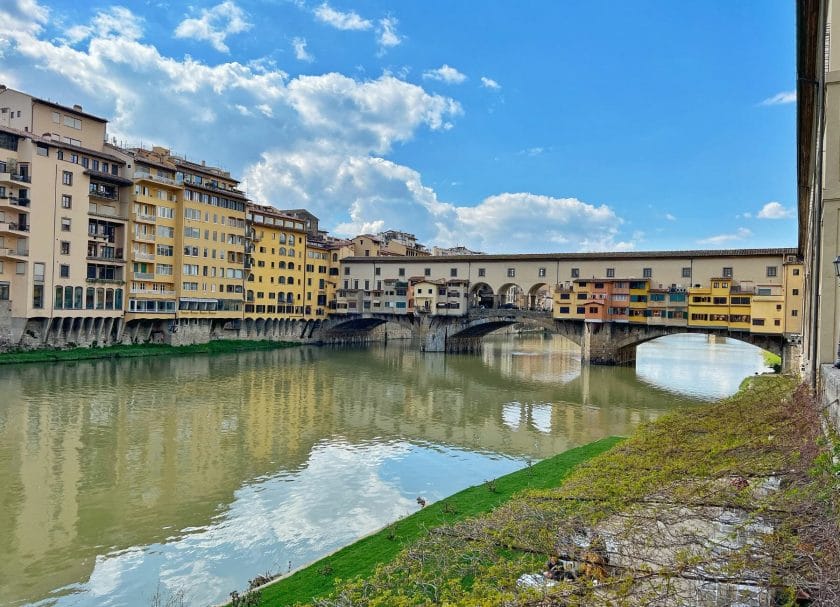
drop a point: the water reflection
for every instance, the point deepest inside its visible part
(201, 472)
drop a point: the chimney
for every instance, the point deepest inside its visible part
(203, 163)
(77, 107)
(2, 87)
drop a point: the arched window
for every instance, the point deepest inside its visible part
(68, 298)
(291, 252)
(90, 298)
(282, 265)
(291, 239)
(250, 296)
(77, 298)
(118, 299)
(282, 239)
(100, 298)
(281, 296)
(281, 251)
(289, 298)
(59, 298)
(109, 299)
(291, 265)
(281, 280)
(291, 280)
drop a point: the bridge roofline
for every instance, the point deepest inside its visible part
(617, 255)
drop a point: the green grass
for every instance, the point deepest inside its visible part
(132, 351)
(771, 359)
(360, 558)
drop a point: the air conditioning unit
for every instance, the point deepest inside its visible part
(790, 258)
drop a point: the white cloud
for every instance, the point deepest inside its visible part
(301, 54)
(214, 25)
(387, 33)
(780, 98)
(341, 20)
(489, 83)
(532, 152)
(446, 74)
(22, 17)
(740, 234)
(774, 210)
(670, 217)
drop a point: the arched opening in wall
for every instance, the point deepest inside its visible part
(539, 297)
(705, 366)
(481, 296)
(512, 296)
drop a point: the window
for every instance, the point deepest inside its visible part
(794, 312)
(73, 123)
(427, 272)
(482, 272)
(346, 270)
(42, 150)
(610, 272)
(796, 271)
(64, 271)
(453, 272)
(66, 201)
(65, 224)
(758, 322)
(38, 296)
(511, 272)
(56, 117)
(727, 273)
(541, 272)
(647, 272)
(401, 272)
(65, 247)
(67, 177)
(581, 310)
(686, 272)
(795, 292)
(771, 271)
(575, 272)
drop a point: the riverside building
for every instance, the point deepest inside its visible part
(63, 225)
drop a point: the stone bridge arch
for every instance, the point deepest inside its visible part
(365, 328)
(482, 295)
(539, 297)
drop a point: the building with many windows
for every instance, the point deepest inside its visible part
(63, 221)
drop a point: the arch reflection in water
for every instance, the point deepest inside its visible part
(201, 472)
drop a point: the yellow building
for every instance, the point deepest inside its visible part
(708, 306)
(794, 297)
(639, 295)
(276, 283)
(320, 281)
(155, 249)
(767, 309)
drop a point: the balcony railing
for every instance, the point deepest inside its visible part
(11, 226)
(158, 178)
(8, 176)
(6, 201)
(144, 217)
(106, 258)
(142, 255)
(147, 237)
(105, 211)
(94, 191)
(143, 275)
(13, 253)
(143, 291)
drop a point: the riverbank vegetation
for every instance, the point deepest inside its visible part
(137, 350)
(362, 557)
(735, 502)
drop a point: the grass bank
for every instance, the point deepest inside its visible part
(362, 557)
(134, 351)
(738, 500)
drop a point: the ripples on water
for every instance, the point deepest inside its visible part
(198, 473)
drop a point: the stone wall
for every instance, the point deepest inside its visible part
(829, 396)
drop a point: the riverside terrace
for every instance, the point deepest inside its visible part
(378, 290)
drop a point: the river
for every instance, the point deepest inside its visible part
(192, 474)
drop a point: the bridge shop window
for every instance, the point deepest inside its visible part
(581, 310)
(575, 272)
(482, 272)
(772, 271)
(647, 272)
(610, 272)
(564, 309)
(727, 273)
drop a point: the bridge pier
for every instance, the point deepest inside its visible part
(606, 344)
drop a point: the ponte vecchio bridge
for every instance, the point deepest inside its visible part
(476, 295)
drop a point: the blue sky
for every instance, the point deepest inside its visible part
(506, 127)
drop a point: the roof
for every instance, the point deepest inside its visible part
(68, 108)
(614, 256)
(60, 144)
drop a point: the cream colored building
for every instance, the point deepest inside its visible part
(64, 205)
